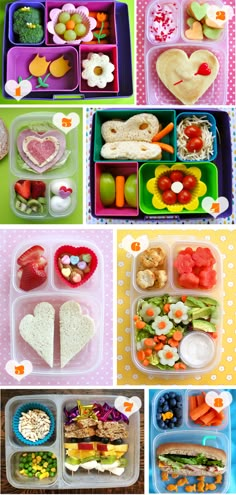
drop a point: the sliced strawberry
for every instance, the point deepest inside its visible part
(32, 254)
(32, 277)
(42, 262)
(23, 187)
(19, 273)
(38, 189)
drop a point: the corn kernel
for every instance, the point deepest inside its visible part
(33, 456)
(43, 475)
(45, 464)
(39, 458)
(43, 470)
(53, 470)
(54, 456)
(24, 455)
(22, 471)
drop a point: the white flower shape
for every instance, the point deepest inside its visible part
(97, 70)
(149, 311)
(178, 312)
(162, 325)
(89, 22)
(168, 355)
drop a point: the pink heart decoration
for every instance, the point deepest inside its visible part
(64, 192)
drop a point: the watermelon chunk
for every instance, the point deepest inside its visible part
(203, 257)
(207, 278)
(189, 281)
(184, 263)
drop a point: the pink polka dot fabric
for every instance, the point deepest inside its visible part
(152, 90)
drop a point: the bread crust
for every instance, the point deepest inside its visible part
(192, 449)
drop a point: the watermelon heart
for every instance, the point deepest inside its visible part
(41, 151)
(73, 253)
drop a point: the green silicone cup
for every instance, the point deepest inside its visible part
(147, 171)
(164, 117)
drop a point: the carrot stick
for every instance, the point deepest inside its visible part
(199, 411)
(166, 130)
(120, 184)
(165, 147)
(208, 417)
(192, 403)
(200, 400)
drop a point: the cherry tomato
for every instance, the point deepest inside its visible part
(192, 131)
(194, 144)
(189, 182)
(184, 197)
(164, 183)
(176, 176)
(169, 197)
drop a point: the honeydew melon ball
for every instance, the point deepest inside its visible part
(64, 17)
(60, 28)
(69, 35)
(80, 30)
(76, 18)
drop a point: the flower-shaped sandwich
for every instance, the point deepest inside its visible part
(175, 195)
(98, 70)
(71, 25)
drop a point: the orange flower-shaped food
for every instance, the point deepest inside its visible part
(59, 67)
(101, 16)
(38, 66)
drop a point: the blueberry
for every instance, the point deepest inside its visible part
(159, 416)
(171, 425)
(166, 396)
(161, 424)
(105, 440)
(165, 427)
(174, 420)
(166, 408)
(159, 410)
(179, 422)
(172, 395)
(118, 441)
(161, 400)
(178, 398)
(172, 402)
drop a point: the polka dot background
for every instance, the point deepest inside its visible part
(90, 219)
(9, 240)
(140, 56)
(225, 373)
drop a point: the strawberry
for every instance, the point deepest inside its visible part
(32, 277)
(42, 262)
(23, 188)
(32, 254)
(37, 189)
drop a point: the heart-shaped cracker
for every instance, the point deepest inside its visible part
(194, 32)
(38, 331)
(73, 251)
(179, 73)
(76, 330)
(41, 151)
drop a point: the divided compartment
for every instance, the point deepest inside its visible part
(213, 129)
(191, 424)
(162, 22)
(164, 266)
(111, 52)
(157, 92)
(91, 479)
(12, 36)
(184, 26)
(15, 267)
(164, 117)
(114, 168)
(155, 403)
(220, 440)
(18, 480)
(147, 171)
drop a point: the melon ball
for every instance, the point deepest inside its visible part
(80, 30)
(76, 18)
(60, 28)
(69, 35)
(64, 17)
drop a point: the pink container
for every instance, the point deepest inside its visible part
(114, 168)
(111, 52)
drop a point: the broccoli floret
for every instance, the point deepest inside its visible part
(26, 14)
(32, 34)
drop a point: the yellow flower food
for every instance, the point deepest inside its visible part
(38, 66)
(59, 67)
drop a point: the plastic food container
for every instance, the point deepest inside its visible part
(82, 478)
(211, 349)
(189, 432)
(12, 8)
(111, 52)
(212, 121)
(66, 174)
(56, 292)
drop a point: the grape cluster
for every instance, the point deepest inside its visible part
(169, 402)
(70, 27)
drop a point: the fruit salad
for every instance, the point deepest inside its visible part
(162, 324)
(95, 438)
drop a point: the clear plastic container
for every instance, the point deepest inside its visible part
(172, 289)
(82, 478)
(56, 292)
(164, 266)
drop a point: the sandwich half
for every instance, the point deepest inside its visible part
(188, 459)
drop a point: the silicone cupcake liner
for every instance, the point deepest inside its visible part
(25, 408)
(75, 251)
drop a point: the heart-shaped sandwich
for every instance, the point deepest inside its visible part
(187, 78)
(76, 330)
(75, 265)
(41, 151)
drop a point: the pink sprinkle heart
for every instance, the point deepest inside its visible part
(64, 192)
(65, 260)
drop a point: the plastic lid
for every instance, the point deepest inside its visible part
(197, 349)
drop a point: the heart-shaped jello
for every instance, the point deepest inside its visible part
(41, 151)
(75, 265)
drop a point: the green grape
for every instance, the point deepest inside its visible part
(60, 28)
(64, 17)
(69, 35)
(80, 30)
(76, 18)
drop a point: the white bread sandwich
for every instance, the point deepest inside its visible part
(4, 140)
(189, 459)
(38, 331)
(76, 330)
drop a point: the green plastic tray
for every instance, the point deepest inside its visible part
(147, 171)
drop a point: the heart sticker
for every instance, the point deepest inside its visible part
(218, 401)
(216, 17)
(128, 406)
(66, 122)
(135, 246)
(18, 370)
(215, 206)
(18, 90)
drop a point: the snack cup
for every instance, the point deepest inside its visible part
(164, 266)
(215, 35)
(155, 405)
(75, 252)
(24, 409)
(15, 6)
(88, 22)
(110, 51)
(212, 121)
(166, 28)
(20, 481)
(191, 424)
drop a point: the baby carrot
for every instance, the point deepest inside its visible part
(120, 184)
(177, 335)
(166, 130)
(165, 147)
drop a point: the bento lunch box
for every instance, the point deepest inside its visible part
(188, 432)
(65, 479)
(56, 291)
(210, 347)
